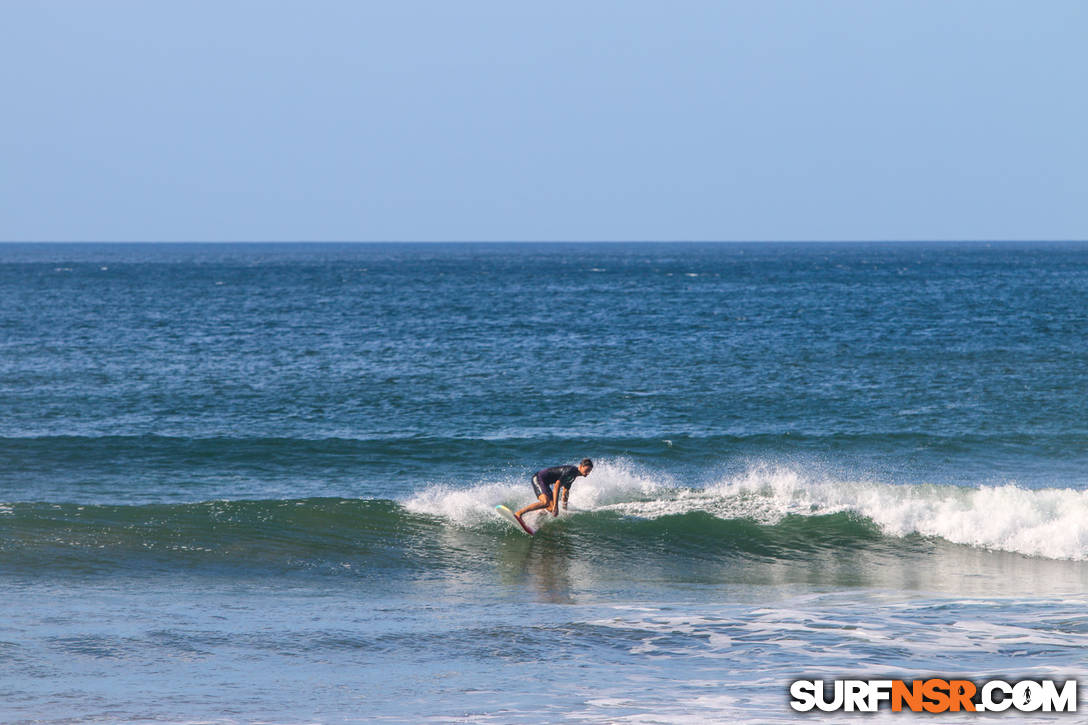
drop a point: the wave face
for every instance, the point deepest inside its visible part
(768, 500)
(762, 517)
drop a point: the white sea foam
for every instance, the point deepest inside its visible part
(609, 483)
(468, 506)
(1051, 523)
(614, 482)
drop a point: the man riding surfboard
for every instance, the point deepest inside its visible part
(546, 485)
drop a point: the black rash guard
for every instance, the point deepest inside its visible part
(544, 480)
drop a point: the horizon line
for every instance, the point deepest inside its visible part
(552, 241)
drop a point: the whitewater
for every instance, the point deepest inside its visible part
(1049, 523)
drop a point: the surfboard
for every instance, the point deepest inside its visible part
(509, 516)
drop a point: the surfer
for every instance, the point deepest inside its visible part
(546, 485)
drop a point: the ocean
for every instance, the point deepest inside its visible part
(248, 483)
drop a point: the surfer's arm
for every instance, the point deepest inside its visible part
(555, 499)
(566, 495)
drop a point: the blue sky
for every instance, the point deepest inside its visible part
(591, 120)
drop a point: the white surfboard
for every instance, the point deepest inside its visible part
(509, 516)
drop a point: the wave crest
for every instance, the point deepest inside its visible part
(1049, 522)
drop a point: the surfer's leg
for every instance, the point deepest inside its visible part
(542, 502)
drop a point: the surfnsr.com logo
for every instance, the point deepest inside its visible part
(934, 695)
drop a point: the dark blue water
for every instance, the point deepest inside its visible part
(246, 482)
